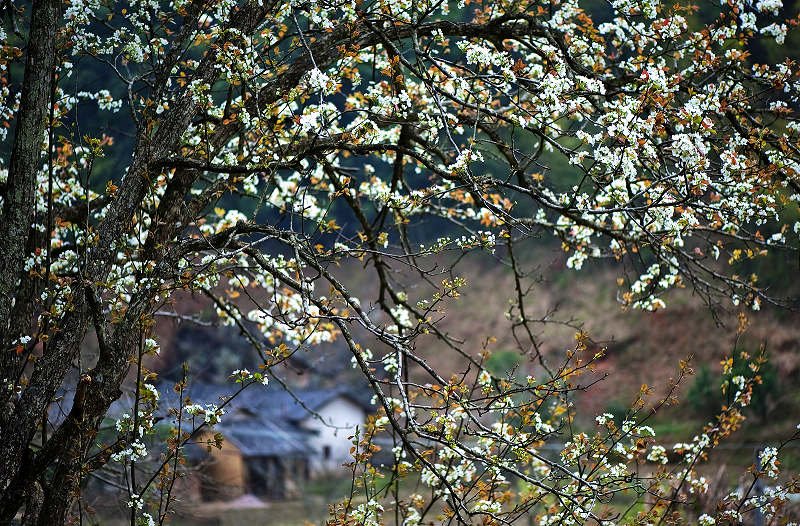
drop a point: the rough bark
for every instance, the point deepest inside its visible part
(20, 192)
(33, 504)
(19, 198)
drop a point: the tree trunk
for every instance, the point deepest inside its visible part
(19, 200)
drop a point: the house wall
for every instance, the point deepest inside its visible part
(224, 474)
(343, 414)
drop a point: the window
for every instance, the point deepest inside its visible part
(326, 452)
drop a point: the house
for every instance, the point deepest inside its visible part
(273, 439)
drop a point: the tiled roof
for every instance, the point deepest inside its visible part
(263, 420)
(260, 421)
(267, 440)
